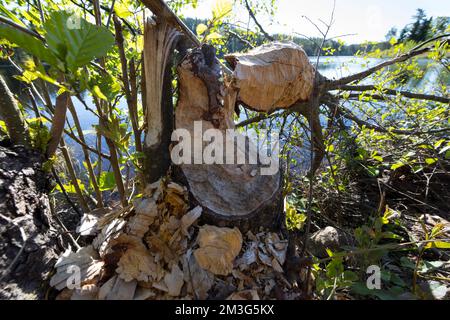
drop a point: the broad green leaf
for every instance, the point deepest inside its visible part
(28, 43)
(11, 15)
(76, 41)
(98, 93)
(378, 158)
(430, 161)
(201, 28)
(121, 10)
(438, 245)
(222, 8)
(107, 181)
(214, 36)
(397, 165)
(70, 188)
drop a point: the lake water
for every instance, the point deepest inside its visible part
(330, 67)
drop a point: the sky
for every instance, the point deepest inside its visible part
(369, 19)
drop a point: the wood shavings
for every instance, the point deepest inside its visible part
(80, 266)
(135, 263)
(218, 248)
(198, 280)
(146, 212)
(189, 218)
(122, 290)
(244, 295)
(88, 224)
(174, 281)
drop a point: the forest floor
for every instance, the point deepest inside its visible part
(158, 248)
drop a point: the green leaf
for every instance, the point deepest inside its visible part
(121, 10)
(107, 181)
(397, 165)
(378, 158)
(70, 188)
(430, 161)
(28, 43)
(393, 41)
(222, 8)
(214, 36)
(11, 16)
(438, 245)
(201, 28)
(76, 41)
(330, 148)
(98, 93)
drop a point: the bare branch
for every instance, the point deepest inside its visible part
(336, 84)
(392, 92)
(252, 15)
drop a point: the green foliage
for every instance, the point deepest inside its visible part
(70, 187)
(39, 133)
(28, 43)
(75, 41)
(107, 181)
(294, 220)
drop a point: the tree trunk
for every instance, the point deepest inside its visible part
(27, 240)
(231, 193)
(159, 41)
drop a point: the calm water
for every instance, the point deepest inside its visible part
(331, 67)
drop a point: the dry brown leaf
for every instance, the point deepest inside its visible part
(248, 257)
(218, 248)
(106, 288)
(86, 292)
(143, 293)
(264, 258)
(89, 222)
(276, 266)
(108, 233)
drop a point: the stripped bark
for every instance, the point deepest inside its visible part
(159, 41)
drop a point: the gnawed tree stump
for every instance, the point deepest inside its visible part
(279, 76)
(28, 242)
(230, 194)
(274, 76)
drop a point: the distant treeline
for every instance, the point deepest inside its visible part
(235, 41)
(420, 29)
